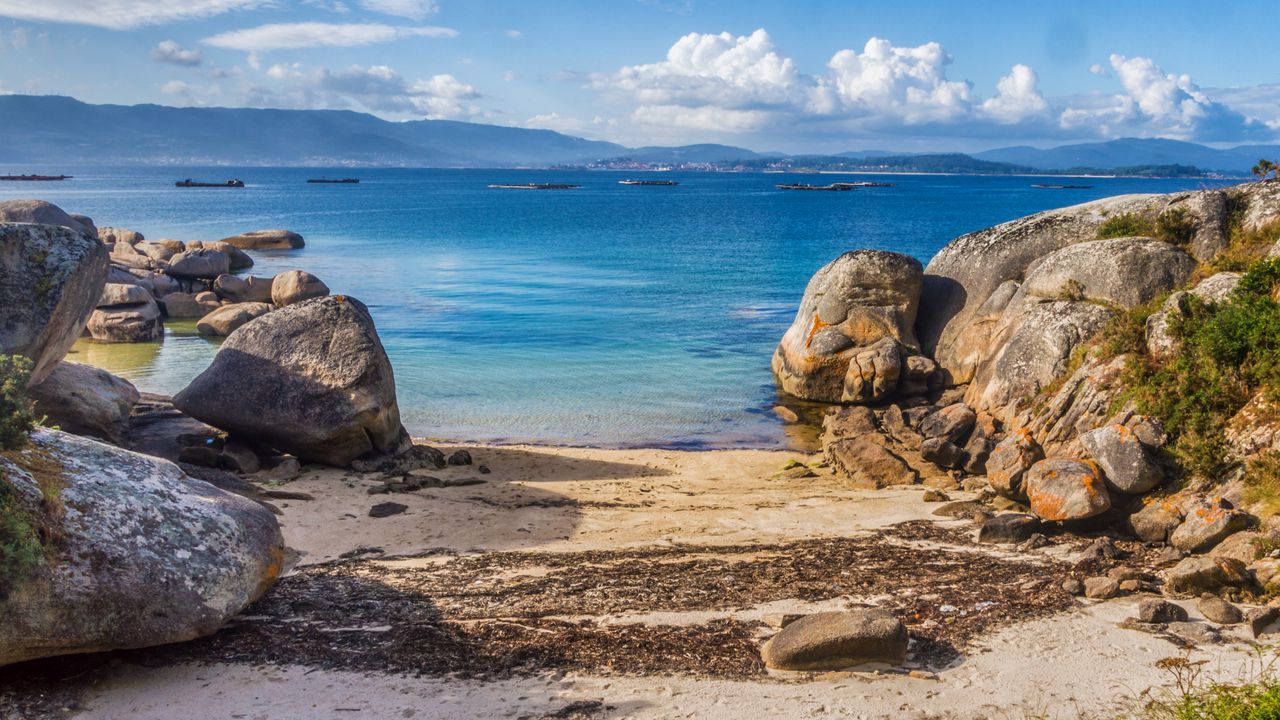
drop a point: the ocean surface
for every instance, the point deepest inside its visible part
(608, 315)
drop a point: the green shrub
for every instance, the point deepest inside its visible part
(1191, 699)
(1176, 227)
(1227, 353)
(1126, 225)
(15, 409)
(20, 546)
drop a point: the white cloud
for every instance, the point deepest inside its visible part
(411, 9)
(171, 52)
(377, 88)
(175, 87)
(514, 34)
(120, 14)
(907, 84)
(1017, 97)
(1099, 69)
(289, 36)
(18, 38)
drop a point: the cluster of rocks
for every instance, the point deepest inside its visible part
(973, 373)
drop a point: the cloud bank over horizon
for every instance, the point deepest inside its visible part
(413, 59)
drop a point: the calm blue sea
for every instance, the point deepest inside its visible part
(608, 315)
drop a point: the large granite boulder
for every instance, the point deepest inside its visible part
(1010, 461)
(238, 259)
(39, 212)
(1124, 272)
(51, 278)
(1205, 524)
(228, 318)
(84, 400)
(1062, 490)
(131, 552)
(294, 286)
(154, 250)
(850, 308)
(837, 640)
(1201, 574)
(867, 464)
(310, 379)
(199, 263)
(180, 305)
(126, 314)
(1128, 464)
(267, 240)
(115, 235)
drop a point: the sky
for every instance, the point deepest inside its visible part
(799, 76)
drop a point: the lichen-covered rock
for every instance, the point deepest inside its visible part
(51, 279)
(1200, 574)
(1156, 521)
(1127, 463)
(135, 553)
(85, 400)
(228, 318)
(39, 212)
(311, 379)
(1061, 490)
(1009, 462)
(851, 304)
(267, 240)
(836, 640)
(1213, 289)
(294, 286)
(1205, 524)
(867, 464)
(1125, 272)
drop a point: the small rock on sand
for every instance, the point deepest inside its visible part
(386, 509)
(837, 640)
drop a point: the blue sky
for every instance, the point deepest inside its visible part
(792, 76)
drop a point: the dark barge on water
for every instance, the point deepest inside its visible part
(1043, 186)
(833, 187)
(34, 178)
(327, 181)
(535, 186)
(228, 184)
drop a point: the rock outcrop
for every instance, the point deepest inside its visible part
(294, 286)
(854, 328)
(85, 400)
(51, 279)
(267, 240)
(126, 314)
(228, 318)
(131, 552)
(310, 379)
(39, 212)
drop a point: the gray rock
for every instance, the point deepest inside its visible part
(146, 555)
(1200, 574)
(846, 422)
(867, 464)
(85, 400)
(387, 509)
(236, 258)
(119, 236)
(199, 264)
(1215, 609)
(942, 453)
(459, 457)
(1124, 272)
(294, 286)
(1155, 610)
(180, 305)
(155, 251)
(1156, 521)
(243, 289)
(311, 379)
(229, 318)
(138, 322)
(874, 372)
(1060, 490)
(851, 304)
(39, 212)
(417, 457)
(1101, 588)
(836, 640)
(239, 457)
(51, 279)
(1206, 524)
(1260, 619)
(1128, 465)
(953, 423)
(115, 294)
(1010, 528)
(267, 240)
(1009, 462)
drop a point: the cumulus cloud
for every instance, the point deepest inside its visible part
(171, 52)
(1017, 97)
(376, 88)
(411, 9)
(514, 34)
(120, 14)
(721, 83)
(290, 36)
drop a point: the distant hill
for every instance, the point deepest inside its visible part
(52, 130)
(1129, 152)
(956, 163)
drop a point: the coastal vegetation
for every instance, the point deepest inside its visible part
(20, 548)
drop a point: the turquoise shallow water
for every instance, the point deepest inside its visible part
(607, 315)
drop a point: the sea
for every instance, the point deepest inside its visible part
(607, 315)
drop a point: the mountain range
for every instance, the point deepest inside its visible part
(53, 130)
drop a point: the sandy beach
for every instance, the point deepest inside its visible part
(633, 583)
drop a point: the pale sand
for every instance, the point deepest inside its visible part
(1057, 667)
